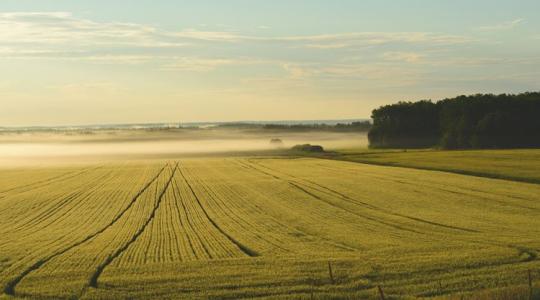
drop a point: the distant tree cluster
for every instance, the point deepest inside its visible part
(340, 127)
(464, 122)
(308, 148)
(358, 126)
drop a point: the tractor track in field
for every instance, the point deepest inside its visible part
(9, 288)
(86, 198)
(239, 219)
(176, 197)
(330, 242)
(89, 189)
(530, 254)
(470, 192)
(247, 251)
(190, 225)
(44, 214)
(259, 232)
(223, 196)
(72, 195)
(373, 207)
(303, 189)
(45, 182)
(93, 282)
(369, 206)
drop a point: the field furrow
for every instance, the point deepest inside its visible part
(95, 276)
(233, 228)
(12, 186)
(98, 217)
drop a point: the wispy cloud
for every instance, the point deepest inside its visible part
(299, 71)
(372, 39)
(328, 46)
(502, 26)
(484, 61)
(63, 36)
(216, 36)
(381, 37)
(197, 64)
(63, 27)
(409, 57)
(73, 55)
(89, 88)
(53, 28)
(372, 72)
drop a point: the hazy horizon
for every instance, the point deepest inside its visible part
(187, 124)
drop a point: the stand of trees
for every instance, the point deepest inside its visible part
(464, 122)
(359, 126)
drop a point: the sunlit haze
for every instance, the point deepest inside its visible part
(93, 62)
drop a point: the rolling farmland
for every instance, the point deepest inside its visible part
(229, 228)
(511, 164)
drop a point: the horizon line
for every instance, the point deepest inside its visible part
(104, 125)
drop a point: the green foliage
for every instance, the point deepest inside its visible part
(464, 122)
(308, 148)
(406, 124)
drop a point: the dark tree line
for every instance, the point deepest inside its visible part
(339, 127)
(358, 126)
(464, 122)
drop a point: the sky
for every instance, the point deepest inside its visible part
(73, 62)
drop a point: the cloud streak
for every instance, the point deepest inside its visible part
(47, 32)
(409, 57)
(50, 36)
(502, 26)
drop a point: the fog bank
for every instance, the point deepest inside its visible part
(40, 148)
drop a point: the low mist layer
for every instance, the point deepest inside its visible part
(49, 147)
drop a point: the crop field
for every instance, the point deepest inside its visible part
(513, 164)
(270, 228)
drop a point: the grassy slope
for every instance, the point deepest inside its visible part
(236, 228)
(520, 165)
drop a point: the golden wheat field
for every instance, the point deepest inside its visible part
(229, 228)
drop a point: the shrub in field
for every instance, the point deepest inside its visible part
(308, 148)
(276, 143)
